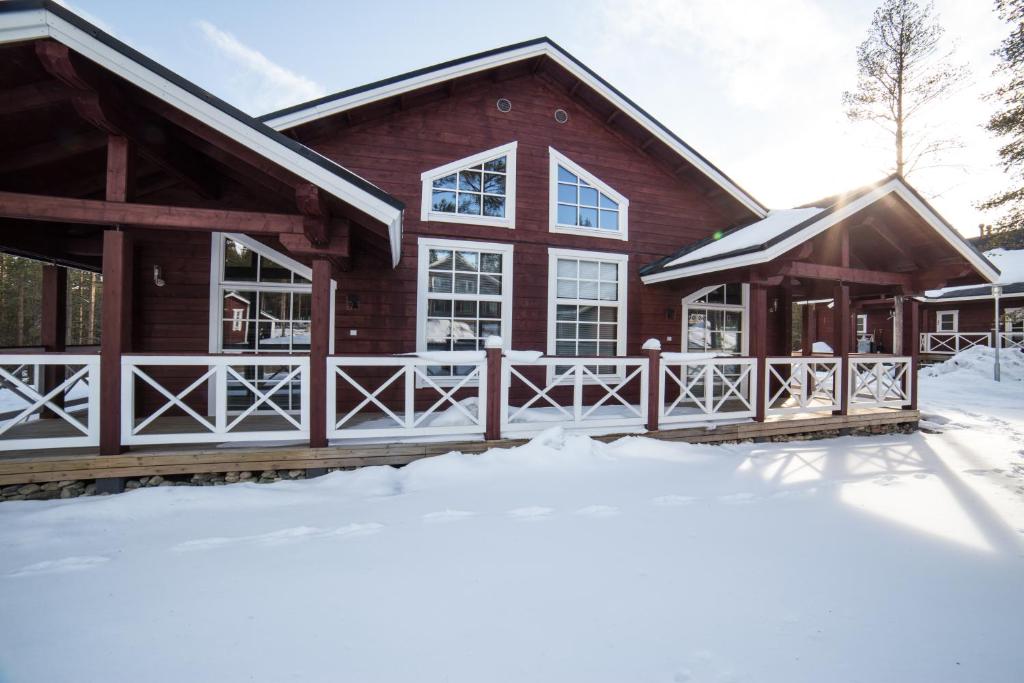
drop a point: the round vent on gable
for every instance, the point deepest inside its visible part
(504, 105)
(561, 115)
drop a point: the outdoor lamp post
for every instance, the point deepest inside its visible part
(996, 291)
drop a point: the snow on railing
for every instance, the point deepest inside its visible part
(386, 390)
(1011, 340)
(801, 385)
(953, 342)
(698, 388)
(877, 382)
(251, 398)
(63, 389)
(600, 393)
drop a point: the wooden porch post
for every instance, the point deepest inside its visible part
(653, 349)
(495, 392)
(808, 328)
(53, 327)
(912, 344)
(319, 347)
(759, 344)
(116, 337)
(841, 339)
(899, 339)
(786, 310)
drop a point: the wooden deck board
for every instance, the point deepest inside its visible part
(40, 467)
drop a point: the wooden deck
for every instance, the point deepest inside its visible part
(71, 464)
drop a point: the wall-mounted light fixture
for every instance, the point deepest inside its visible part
(774, 308)
(352, 302)
(158, 276)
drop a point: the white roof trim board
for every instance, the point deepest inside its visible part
(33, 21)
(714, 256)
(298, 115)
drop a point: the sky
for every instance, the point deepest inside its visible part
(754, 85)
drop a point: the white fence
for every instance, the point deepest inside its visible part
(880, 382)
(706, 389)
(387, 400)
(809, 384)
(58, 393)
(1011, 340)
(953, 342)
(600, 392)
(254, 398)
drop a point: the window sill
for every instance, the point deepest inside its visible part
(468, 220)
(589, 232)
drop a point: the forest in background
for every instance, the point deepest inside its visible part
(20, 306)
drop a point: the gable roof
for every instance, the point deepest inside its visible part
(780, 231)
(1011, 267)
(23, 20)
(330, 105)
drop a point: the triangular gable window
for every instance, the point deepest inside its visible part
(479, 190)
(581, 204)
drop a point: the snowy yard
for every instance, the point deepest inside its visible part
(894, 558)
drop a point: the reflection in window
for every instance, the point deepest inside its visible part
(587, 307)
(478, 190)
(581, 205)
(714, 320)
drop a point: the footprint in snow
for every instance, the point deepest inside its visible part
(531, 514)
(673, 500)
(738, 498)
(62, 566)
(598, 511)
(447, 516)
(281, 536)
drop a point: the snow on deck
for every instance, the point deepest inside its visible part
(883, 558)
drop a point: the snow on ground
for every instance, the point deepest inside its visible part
(889, 558)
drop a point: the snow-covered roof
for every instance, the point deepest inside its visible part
(782, 230)
(1010, 263)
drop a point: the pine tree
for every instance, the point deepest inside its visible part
(900, 73)
(1009, 122)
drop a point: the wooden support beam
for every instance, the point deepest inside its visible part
(337, 246)
(841, 340)
(102, 105)
(312, 204)
(786, 321)
(912, 343)
(33, 96)
(115, 340)
(319, 347)
(898, 340)
(808, 328)
(820, 271)
(94, 212)
(758, 344)
(59, 149)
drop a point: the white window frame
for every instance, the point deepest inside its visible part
(622, 260)
(427, 179)
(424, 245)
(557, 159)
(956, 321)
(1008, 318)
(862, 324)
(218, 284)
(690, 301)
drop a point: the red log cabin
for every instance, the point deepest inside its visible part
(475, 250)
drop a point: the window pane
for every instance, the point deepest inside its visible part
(439, 282)
(273, 272)
(300, 336)
(439, 308)
(734, 294)
(716, 296)
(465, 309)
(490, 328)
(468, 261)
(494, 206)
(438, 331)
(566, 289)
(469, 181)
(443, 201)
(495, 165)
(566, 215)
(494, 184)
(588, 196)
(445, 183)
(490, 309)
(273, 305)
(441, 259)
(490, 284)
(469, 204)
(302, 307)
(587, 348)
(588, 331)
(609, 271)
(239, 262)
(563, 312)
(565, 330)
(567, 193)
(588, 218)
(239, 304)
(568, 268)
(607, 349)
(565, 348)
(565, 176)
(490, 263)
(589, 269)
(609, 291)
(609, 332)
(609, 220)
(465, 283)
(588, 313)
(609, 314)
(239, 335)
(608, 203)
(464, 329)
(589, 289)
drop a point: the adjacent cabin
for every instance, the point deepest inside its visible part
(476, 250)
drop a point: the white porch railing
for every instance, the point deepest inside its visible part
(1011, 340)
(880, 382)
(597, 400)
(706, 389)
(70, 401)
(387, 401)
(805, 385)
(255, 398)
(953, 342)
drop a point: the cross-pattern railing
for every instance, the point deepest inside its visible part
(595, 393)
(706, 389)
(49, 401)
(211, 399)
(1011, 340)
(880, 382)
(404, 396)
(801, 385)
(953, 342)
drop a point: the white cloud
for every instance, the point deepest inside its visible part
(260, 85)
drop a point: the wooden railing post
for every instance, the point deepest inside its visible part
(495, 392)
(759, 346)
(653, 349)
(319, 346)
